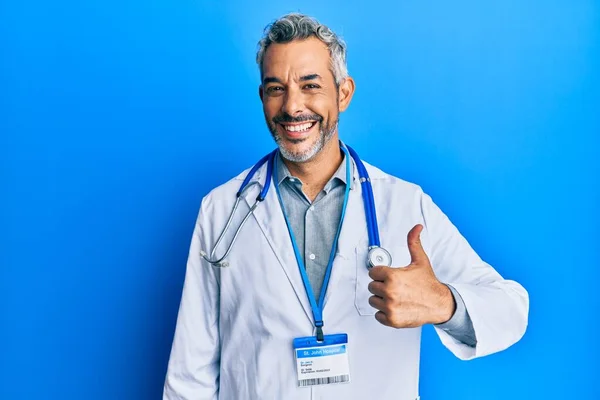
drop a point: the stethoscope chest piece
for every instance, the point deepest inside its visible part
(378, 256)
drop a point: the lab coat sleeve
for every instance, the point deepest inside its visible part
(193, 371)
(498, 308)
(460, 326)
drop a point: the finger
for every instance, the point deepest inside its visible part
(379, 273)
(377, 288)
(382, 318)
(377, 302)
(417, 254)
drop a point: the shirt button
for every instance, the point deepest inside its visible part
(292, 180)
(312, 256)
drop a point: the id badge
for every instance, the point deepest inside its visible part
(322, 363)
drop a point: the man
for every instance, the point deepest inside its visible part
(243, 330)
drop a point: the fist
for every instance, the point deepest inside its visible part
(411, 296)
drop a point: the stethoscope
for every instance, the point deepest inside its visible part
(377, 255)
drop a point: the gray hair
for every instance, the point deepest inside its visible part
(295, 26)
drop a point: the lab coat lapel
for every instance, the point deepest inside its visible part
(354, 230)
(269, 217)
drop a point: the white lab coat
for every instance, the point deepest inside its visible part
(236, 325)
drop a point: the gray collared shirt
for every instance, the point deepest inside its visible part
(315, 225)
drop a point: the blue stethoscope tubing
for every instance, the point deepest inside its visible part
(377, 255)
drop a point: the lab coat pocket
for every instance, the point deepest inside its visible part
(400, 258)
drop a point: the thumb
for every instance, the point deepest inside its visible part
(417, 254)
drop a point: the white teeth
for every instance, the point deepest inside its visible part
(298, 128)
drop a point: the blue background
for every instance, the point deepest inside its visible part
(116, 117)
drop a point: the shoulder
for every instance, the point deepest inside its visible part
(228, 188)
(388, 182)
(224, 195)
(400, 193)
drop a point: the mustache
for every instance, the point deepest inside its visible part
(285, 117)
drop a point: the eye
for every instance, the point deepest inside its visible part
(274, 89)
(312, 86)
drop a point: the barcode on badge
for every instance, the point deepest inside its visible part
(324, 381)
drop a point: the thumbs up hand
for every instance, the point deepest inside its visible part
(411, 296)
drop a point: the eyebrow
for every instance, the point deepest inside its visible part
(310, 77)
(272, 79)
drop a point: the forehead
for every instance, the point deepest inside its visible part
(297, 58)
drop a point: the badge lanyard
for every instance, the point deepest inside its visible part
(317, 307)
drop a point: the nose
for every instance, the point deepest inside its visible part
(293, 103)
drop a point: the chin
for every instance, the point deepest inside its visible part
(299, 152)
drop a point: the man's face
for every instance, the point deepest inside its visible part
(300, 98)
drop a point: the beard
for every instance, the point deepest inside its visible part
(326, 132)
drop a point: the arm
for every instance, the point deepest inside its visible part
(193, 371)
(498, 308)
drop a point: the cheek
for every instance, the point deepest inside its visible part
(268, 113)
(323, 105)
(332, 112)
(271, 107)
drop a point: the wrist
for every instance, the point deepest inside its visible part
(446, 305)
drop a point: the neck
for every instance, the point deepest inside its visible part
(316, 172)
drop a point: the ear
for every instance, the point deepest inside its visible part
(260, 92)
(345, 93)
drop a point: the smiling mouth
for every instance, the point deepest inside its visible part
(299, 128)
